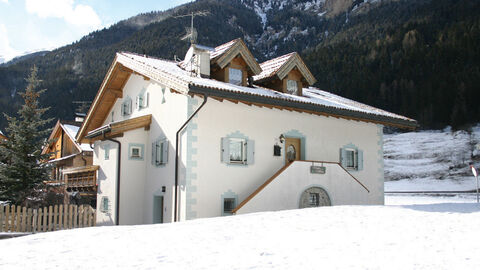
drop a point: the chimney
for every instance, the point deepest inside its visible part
(197, 60)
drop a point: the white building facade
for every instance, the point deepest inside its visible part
(243, 147)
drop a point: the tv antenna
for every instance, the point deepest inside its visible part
(192, 33)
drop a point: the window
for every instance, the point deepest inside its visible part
(127, 107)
(228, 205)
(292, 87)
(238, 151)
(160, 152)
(142, 101)
(104, 204)
(313, 199)
(135, 151)
(351, 157)
(107, 151)
(235, 76)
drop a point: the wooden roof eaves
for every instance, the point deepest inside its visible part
(101, 92)
(297, 61)
(51, 137)
(304, 107)
(120, 127)
(239, 48)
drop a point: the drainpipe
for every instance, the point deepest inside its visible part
(117, 190)
(177, 143)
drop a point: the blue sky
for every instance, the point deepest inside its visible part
(31, 25)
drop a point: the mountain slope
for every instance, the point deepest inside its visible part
(414, 57)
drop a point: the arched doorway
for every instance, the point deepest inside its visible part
(314, 197)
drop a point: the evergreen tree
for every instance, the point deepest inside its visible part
(24, 169)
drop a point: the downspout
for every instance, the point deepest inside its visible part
(177, 143)
(117, 190)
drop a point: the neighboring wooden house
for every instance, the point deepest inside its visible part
(219, 133)
(2, 136)
(72, 168)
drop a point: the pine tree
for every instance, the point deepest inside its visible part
(23, 169)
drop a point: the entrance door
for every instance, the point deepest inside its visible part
(292, 149)
(157, 209)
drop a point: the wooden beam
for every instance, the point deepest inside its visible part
(117, 92)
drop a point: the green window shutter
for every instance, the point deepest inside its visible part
(129, 110)
(359, 160)
(225, 153)
(122, 109)
(138, 102)
(153, 153)
(250, 151)
(107, 151)
(164, 151)
(343, 155)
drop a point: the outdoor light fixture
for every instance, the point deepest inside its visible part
(282, 138)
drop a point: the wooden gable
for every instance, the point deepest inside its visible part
(233, 55)
(110, 90)
(278, 72)
(61, 144)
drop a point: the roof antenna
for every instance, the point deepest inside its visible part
(192, 33)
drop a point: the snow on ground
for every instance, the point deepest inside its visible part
(413, 236)
(430, 160)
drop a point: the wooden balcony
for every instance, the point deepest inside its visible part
(81, 179)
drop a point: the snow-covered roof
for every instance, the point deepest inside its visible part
(270, 67)
(311, 96)
(219, 50)
(72, 131)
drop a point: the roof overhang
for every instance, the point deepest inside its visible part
(303, 107)
(116, 129)
(112, 86)
(239, 48)
(83, 169)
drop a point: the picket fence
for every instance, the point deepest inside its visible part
(53, 218)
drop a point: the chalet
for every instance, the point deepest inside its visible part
(220, 134)
(72, 168)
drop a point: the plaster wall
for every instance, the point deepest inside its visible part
(141, 179)
(323, 138)
(284, 192)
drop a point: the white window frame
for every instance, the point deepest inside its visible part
(234, 71)
(290, 84)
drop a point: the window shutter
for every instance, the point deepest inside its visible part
(225, 154)
(153, 153)
(138, 104)
(122, 109)
(165, 152)
(343, 155)
(129, 105)
(360, 160)
(146, 100)
(250, 151)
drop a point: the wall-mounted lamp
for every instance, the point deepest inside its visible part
(281, 138)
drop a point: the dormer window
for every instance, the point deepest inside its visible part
(292, 87)
(235, 76)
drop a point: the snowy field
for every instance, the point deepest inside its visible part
(418, 232)
(431, 160)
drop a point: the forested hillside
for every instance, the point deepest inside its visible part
(419, 58)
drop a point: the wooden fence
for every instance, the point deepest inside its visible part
(53, 218)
